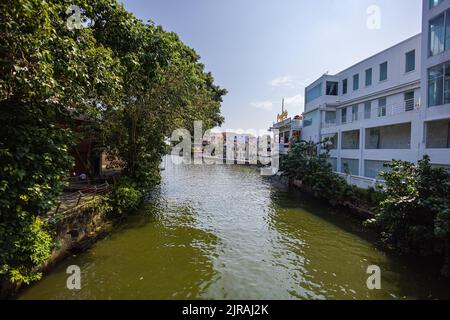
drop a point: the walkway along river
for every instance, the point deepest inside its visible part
(225, 232)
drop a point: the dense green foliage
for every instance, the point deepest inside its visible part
(124, 197)
(415, 216)
(304, 163)
(127, 82)
(164, 88)
(412, 212)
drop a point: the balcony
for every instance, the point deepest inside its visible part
(375, 112)
(438, 134)
(292, 124)
(350, 140)
(392, 137)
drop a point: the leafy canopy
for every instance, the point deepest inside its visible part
(120, 82)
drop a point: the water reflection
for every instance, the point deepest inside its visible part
(225, 232)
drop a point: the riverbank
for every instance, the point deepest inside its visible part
(75, 232)
(356, 210)
(238, 236)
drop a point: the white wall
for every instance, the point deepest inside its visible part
(396, 58)
(311, 132)
(398, 82)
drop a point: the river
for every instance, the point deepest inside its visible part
(225, 232)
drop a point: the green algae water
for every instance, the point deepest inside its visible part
(225, 232)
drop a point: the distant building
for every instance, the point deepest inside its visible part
(289, 130)
(239, 147)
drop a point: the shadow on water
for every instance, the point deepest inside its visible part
(157, 253)
(412, 277)
(225, 232)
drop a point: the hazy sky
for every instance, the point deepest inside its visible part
(264, 50)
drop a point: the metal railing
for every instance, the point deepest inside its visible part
(361, 182)
(375, 112)
(69, 201)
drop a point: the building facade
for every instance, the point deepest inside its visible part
(436, 81)
(370, 111)
(289, 132)
(393, 105)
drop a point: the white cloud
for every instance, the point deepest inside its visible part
(284, 81)
(288, 82)
(264, 105)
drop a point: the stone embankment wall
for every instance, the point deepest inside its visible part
(75, 232)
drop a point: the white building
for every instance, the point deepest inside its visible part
(393, 105)
(436, 81)
(289, 131)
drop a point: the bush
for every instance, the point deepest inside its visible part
(124, 197)
(413, 212)
(33, 159)
(32, 247)
(414, 217)
(304, 163)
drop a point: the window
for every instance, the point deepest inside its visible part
(355, 113)
(286, 137)
(410, 61)
(435, 86)
(439, 85)
(372, 138)
(350, 140)
(344, 115)
(333, 163)
(438, 134)
(372, 168)
(382, 107)
(436, 34)
(368, 77)
(367, 110)
(332, 140)
(391, 137)
(332, 88)
(439, 34)
(314, 93)
(350, 166)
(435, 3)
(409, 101)
(383, 71)
(355, 82)
(307, 122)
(447, 83)
(330, 117)
(344, 86)
(447, 30)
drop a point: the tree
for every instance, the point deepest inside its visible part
(414, 217)
(120, 79)
(311, 167)
(165, 88)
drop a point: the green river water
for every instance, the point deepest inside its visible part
(225, 232)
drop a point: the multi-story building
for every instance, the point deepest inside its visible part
(393, 105)
(369, 111)
(435, 76)
(289, 132)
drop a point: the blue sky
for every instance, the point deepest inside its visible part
(264, 50)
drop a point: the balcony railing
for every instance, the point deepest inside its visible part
(375, 112)
(293, 124)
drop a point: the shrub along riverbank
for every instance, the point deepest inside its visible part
(113, 82)
(411, 209)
